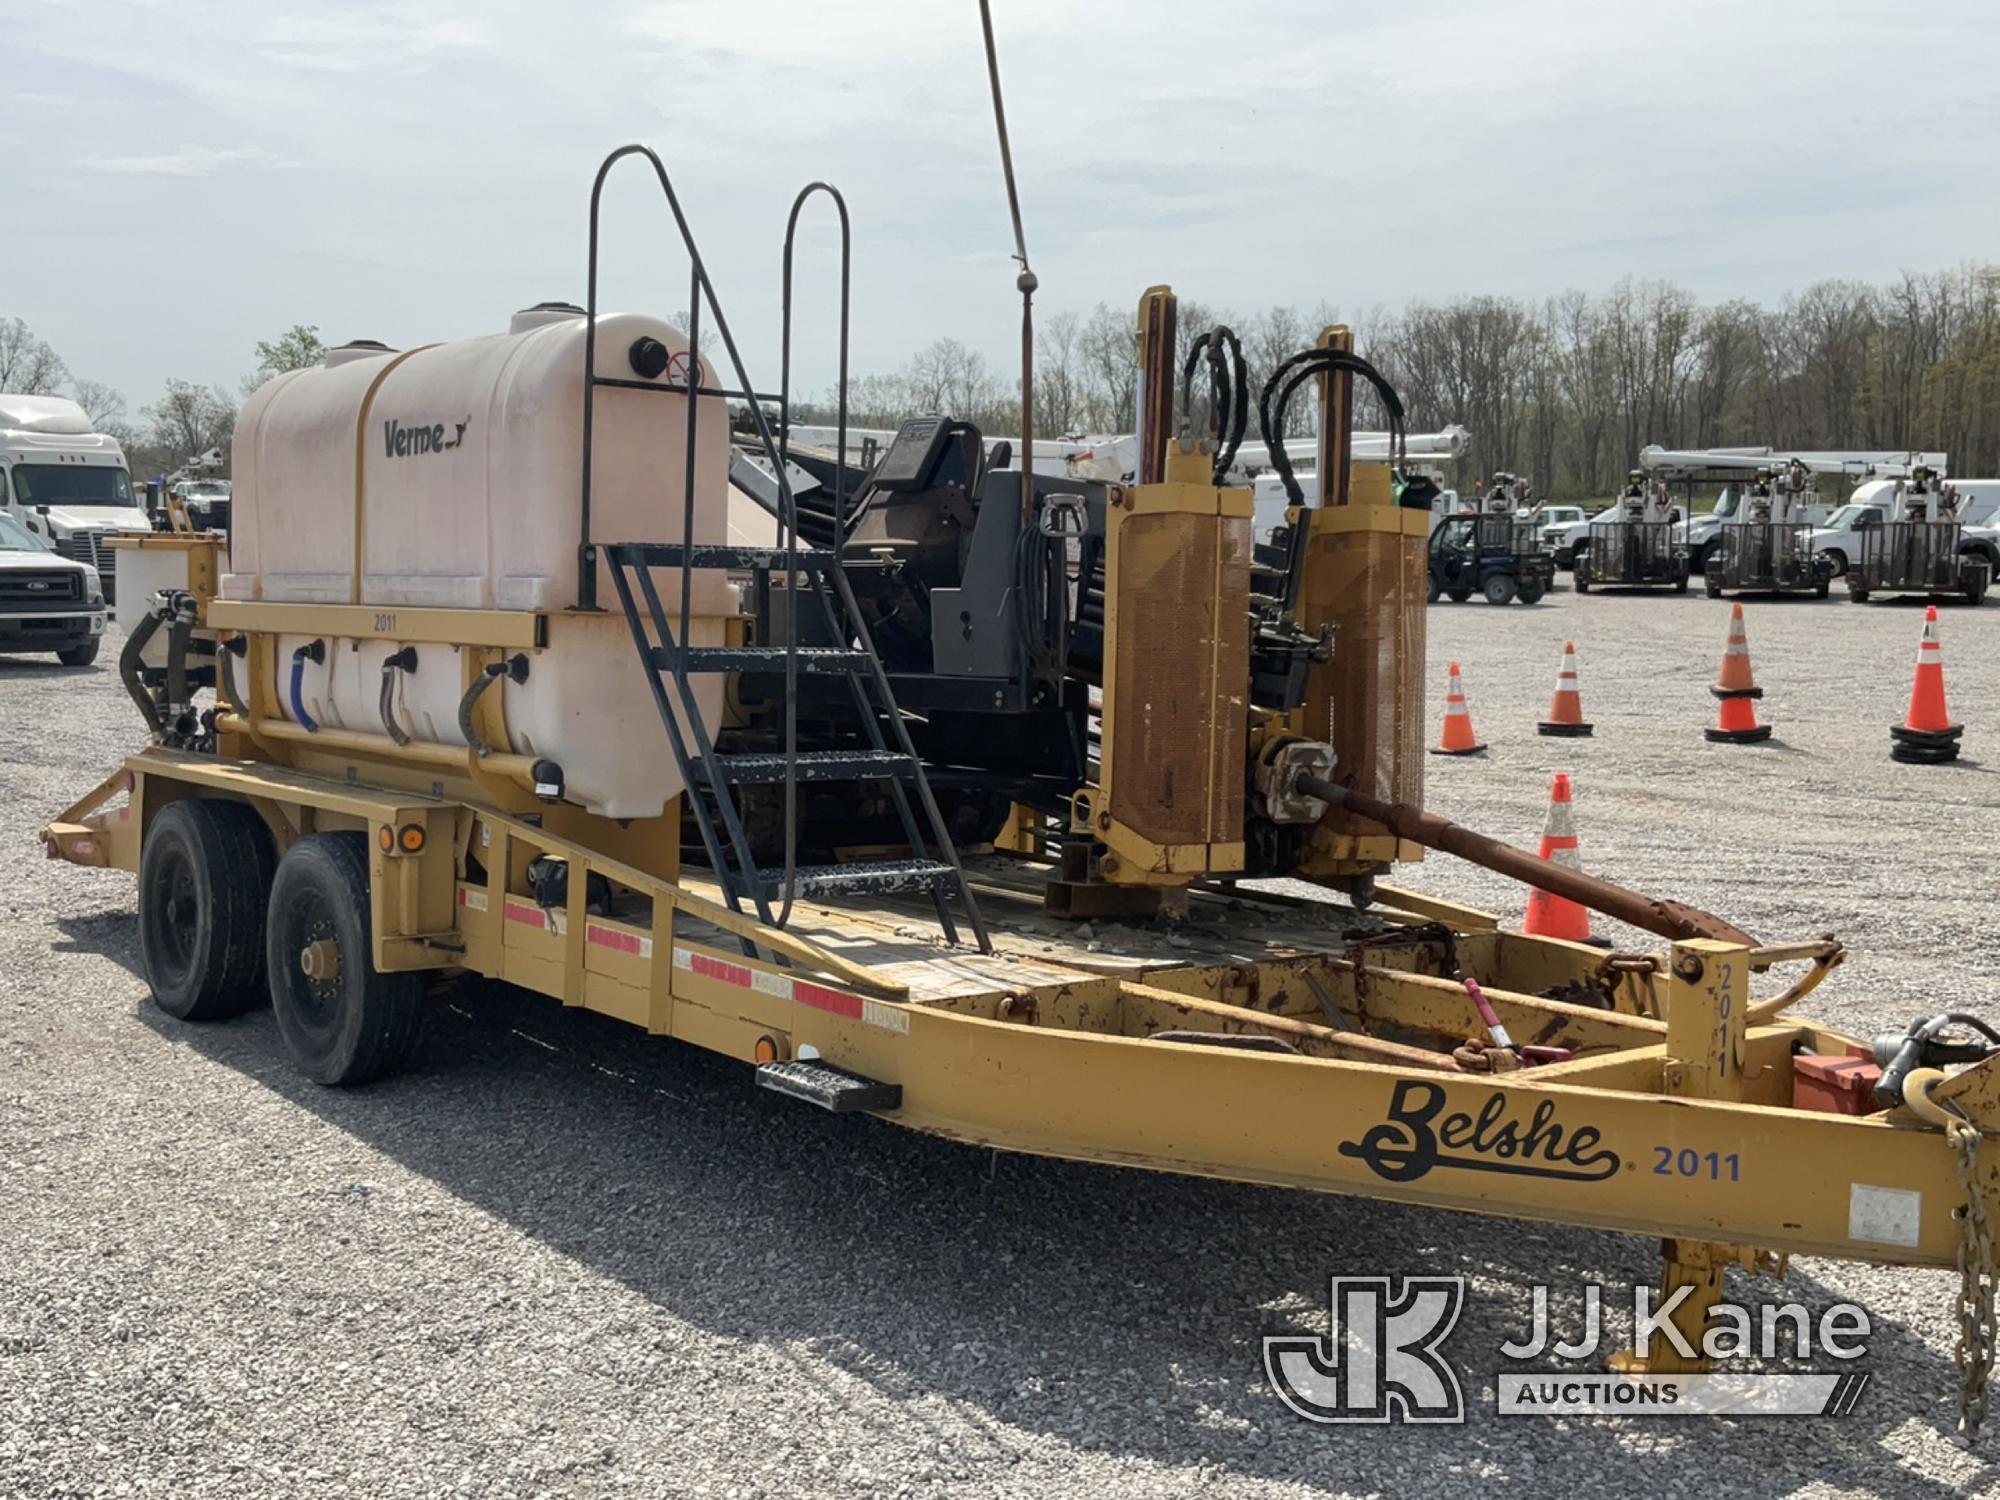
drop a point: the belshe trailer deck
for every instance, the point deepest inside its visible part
(398, 737)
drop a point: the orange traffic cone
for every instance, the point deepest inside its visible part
(1549, 915)
(1566, 708)
(1736, 722)
(1458, 738)
(1927, 736)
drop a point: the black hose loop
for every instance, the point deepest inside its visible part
(1229, 392)
(1294, 372)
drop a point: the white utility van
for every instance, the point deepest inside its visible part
(65, 483)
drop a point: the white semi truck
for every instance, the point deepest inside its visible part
(65, 482)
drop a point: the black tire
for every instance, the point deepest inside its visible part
(1532, 590)
(357, 1025)
(1459, 596)
(1839, 560)
(78, 656)
(204, 877)
(1500, 588)
(1704, 555)
(1435, 591)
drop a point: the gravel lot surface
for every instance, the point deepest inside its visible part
(560, 1259)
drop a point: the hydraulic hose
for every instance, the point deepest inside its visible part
(515, 667)
(1229, 392)
(129, 662)
(1898, 1056)
(179, 628)
(404, 660)
(315, 652)
(225, 671)
(1293, 373)
(1285, 380)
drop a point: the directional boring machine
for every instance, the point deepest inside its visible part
(505, 671)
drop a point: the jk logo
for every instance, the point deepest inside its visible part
(1380, 1363)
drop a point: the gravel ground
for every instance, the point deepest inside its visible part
(561, 1259)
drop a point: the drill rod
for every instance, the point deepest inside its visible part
(1669, 919)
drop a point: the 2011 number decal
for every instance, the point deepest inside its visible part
(1712, 1166)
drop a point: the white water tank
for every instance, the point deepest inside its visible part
(467, 496)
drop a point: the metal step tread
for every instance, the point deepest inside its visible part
(760, 658)
(718, 555)
(861, 877)
(831, 1088)
(813, 765)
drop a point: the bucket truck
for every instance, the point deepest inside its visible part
(1917, 550)
(1639, 543)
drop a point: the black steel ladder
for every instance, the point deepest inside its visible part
(815, 581)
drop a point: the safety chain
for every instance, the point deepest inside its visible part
(1613, 971)
(1975, 1283)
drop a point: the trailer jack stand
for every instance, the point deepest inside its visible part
(1698, 1266)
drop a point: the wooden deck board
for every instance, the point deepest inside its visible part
(900, 937)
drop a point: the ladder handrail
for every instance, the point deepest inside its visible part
(701, 288)
(847, 619)
(790, 537)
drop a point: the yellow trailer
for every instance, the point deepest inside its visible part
(1275, 1048)
(1397, 1047)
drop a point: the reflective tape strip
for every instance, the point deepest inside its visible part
(618, 940)
(879, 1014)
(531, 915)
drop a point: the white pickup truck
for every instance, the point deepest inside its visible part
(47, 603)
(1982, 542)
(65, 483)
(1560, 525)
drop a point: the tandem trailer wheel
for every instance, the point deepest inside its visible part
(204, 877)
(343, 1021)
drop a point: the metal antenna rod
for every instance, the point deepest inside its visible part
(1026, 281)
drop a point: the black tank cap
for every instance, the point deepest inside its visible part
(649, 357)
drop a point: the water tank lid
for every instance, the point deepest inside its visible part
(354, 349)
(543, 313)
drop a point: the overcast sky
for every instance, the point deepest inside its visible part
(185, 177)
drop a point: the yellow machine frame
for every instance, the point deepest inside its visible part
(1187, 715)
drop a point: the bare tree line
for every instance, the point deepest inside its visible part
(1566, 390)
(186, 421)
